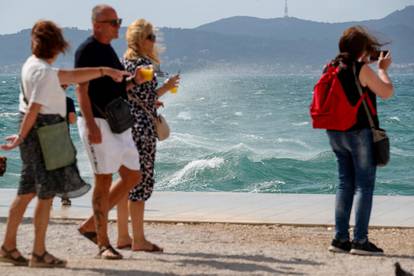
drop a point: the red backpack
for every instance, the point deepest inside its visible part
(330, 108)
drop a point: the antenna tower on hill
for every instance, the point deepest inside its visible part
(286, 9)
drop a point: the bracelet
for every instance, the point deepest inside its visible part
(20, 138)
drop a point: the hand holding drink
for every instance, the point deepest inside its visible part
(174, 81)
(174, 89)
(147, 73)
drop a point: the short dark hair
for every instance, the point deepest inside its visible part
(47, 40)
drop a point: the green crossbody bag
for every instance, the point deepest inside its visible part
(57, 147)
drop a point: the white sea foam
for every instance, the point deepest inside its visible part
(253, 137)
(3, 81)
(401, 152)
(184, 115)
(238, 113)
(8, 114)
(395, 118)
(189, 141)
(301, 124)
(293, 141)
(268, 185)
(194, 167)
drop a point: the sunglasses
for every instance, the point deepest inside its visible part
(152, 37)
(113, 22)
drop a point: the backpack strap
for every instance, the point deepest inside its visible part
(364, 97)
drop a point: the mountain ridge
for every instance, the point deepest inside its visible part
(239, 40)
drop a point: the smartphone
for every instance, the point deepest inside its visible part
(376, 54)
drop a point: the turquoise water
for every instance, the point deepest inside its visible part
(247, 131)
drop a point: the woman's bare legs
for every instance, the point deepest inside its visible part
(124, 240)
(16, 213)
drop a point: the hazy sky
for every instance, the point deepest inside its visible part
(21, 14)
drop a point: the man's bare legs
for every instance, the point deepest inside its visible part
(119, 189)
(100, 205)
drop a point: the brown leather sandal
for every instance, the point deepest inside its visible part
(114, 255)
(40, 261)
(9, 258)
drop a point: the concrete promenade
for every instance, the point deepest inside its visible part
(244, 208)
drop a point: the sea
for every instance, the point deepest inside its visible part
(246, 130)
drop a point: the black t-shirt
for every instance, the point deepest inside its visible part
(347, 79)
(70, 106)
(92, 53)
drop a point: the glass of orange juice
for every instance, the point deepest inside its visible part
(147, 73)
(174, 89)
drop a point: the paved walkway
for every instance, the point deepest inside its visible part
(294, 209)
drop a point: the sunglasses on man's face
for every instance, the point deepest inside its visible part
(113, 22)
(152, 37)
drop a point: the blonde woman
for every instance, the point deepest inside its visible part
(142, 51)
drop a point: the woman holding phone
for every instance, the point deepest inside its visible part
(142, 52)
(354, 147)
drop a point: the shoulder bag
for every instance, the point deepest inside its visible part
(381, 142)
(56, 145)
(162, 128)
(118, 115)
(3, 165)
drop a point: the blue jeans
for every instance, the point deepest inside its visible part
(357, 169)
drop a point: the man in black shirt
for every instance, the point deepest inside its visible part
(108, 153)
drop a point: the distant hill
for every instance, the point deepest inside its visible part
(241, 40)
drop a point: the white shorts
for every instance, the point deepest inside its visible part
(116, 150)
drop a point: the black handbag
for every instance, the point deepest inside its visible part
(118, 115)
(3, 165)
(381, 142)
(381, 147)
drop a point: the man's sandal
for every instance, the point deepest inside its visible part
(9, 258)
(113, 254)
(40, 261)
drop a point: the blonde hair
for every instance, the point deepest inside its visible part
(136, 34)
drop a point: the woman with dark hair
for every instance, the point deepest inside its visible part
(42, 103)
(354, 147)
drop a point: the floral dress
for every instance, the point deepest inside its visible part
(143, 130)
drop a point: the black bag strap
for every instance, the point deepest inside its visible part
(24, 95)
(361, 93)
(99, 110)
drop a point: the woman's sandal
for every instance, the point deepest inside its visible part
(114, 255)
(9, 258)
(154, 249)
(40, 261)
